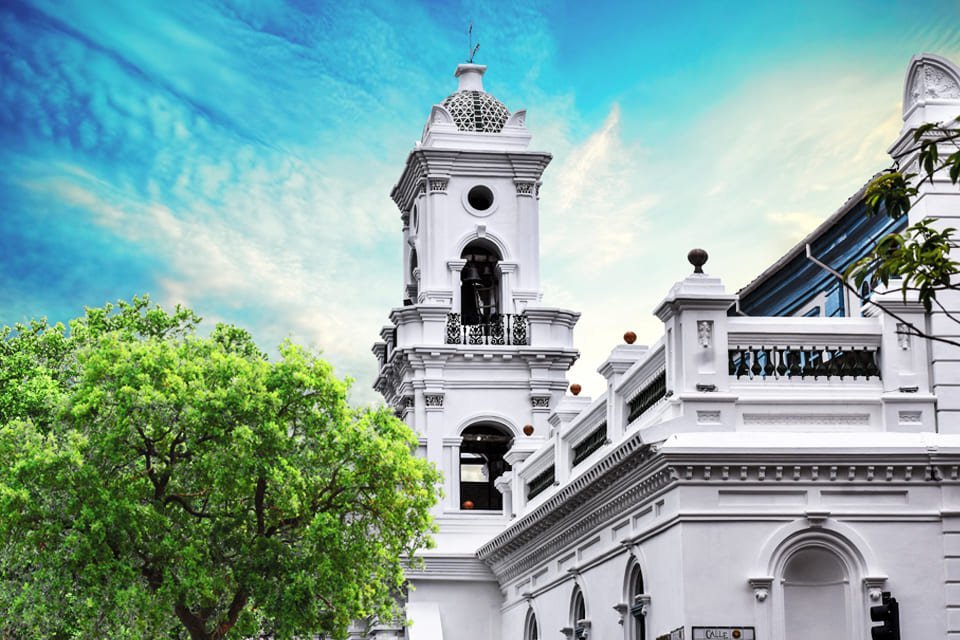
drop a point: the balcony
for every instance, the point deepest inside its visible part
(508, 329)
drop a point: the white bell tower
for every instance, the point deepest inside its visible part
(472, 361)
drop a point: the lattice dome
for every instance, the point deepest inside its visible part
(476, 111)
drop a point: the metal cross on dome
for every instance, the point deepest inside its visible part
(470, 46)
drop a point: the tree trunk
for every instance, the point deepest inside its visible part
(197, 625)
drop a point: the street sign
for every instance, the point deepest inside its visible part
(724, 633)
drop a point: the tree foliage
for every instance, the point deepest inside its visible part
(157, 483)
(918, 258)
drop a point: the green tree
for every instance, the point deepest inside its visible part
(157, 483)
(920, 258)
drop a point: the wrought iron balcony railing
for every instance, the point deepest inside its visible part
(506, 329)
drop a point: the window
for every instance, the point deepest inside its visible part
(481, 462)
(638, 602)
(579, 614)
(530, 629)
(480, 197)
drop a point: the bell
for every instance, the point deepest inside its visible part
(471, 275)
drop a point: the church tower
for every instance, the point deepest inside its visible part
(472, 360)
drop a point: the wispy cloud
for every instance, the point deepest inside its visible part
(238, 156)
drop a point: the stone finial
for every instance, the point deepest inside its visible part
(575, 389)
(698, 258)
(629, 337)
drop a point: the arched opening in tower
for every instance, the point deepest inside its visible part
(481, 462)
(480, 299)
(413, 289)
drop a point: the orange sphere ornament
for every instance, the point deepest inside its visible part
(528, 429)
(629, 337)
(575, 389)
(468, 504)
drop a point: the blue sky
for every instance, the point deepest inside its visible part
(238, 156)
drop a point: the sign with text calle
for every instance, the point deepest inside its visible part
(724, 633)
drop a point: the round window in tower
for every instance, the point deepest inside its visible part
(480, 198)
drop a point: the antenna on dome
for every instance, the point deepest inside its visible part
(471, 48)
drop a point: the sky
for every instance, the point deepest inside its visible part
(237, 156)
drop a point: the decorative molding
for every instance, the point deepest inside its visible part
(834, 419)
(621, 608)
(643, 600)
(525, 188)
(724, 471)
(817, 518)
(708, 417)
(903, 336)
(438, 185)
(874, 586)
(540, 402)
(933, 83)
(705, 333)
(449, 568)
(910, 417)
(535, 554)
(585, 625)
(761, 587)
(433, 400)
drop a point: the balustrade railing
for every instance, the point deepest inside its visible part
(777, 362)
(653, 392)
(594, 440)
(540, 483)
(508, 329)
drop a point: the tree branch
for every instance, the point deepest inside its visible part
(236, 607)
(843, 281)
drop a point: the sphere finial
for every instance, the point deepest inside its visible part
(698, 258)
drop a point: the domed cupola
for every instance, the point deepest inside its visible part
(472, 118)
(472, 108)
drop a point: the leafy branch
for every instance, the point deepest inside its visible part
(919, 258)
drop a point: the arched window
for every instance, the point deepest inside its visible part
(815, 595)
(481, 462)
(480, 284)
(530, 629)
(414, 286)
(578, 615)
(638, 612)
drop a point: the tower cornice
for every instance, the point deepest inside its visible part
(426, 163)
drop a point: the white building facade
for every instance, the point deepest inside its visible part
(743, 477)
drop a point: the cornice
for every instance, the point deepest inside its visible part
(423, 162)
(552, 527)
(565, 501)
